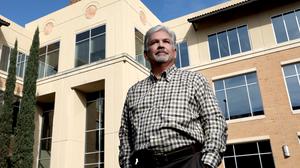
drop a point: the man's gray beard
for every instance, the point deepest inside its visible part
(162, 59)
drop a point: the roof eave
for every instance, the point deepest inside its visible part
(198, 18)
(4, 23)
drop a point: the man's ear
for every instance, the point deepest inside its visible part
(175, 52)
(146, 56)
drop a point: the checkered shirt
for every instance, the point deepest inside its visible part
(177, 110)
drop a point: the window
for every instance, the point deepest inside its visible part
(229, 42)
(286, 26)
(182, 58)
(292, 79)
(90, 46)
(94, 134)
(5, 55)
(21, 64)
(46, 135)
(139, 49)
(298, 136)
(249, 155)
(21, 61)
(48, 60)
(239, 96)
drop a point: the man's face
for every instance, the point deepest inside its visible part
(160, 48)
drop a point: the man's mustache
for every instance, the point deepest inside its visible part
(161, 51)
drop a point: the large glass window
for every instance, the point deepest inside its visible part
(249, 155)
(4, 60)
(94, 134)
(239, 96)
(21, 64)
(90, 46)
(286, 26)
(229, 42)
(139, 49)
(292, 79)
(182, 58)
(46, 136)
(48, 60)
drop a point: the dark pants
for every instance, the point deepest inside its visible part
(188, 157)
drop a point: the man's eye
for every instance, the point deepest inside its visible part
(153, 42)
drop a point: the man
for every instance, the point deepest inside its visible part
(170, 119)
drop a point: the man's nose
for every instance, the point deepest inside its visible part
(160, 44)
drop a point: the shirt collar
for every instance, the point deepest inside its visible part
(166, 75)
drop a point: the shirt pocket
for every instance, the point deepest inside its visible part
(176, 109)
(138, 111)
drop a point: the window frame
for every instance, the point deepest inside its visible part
(249, 140)
(8, 61)
(46, 54)
(284, 24)
(243, 75)
(89, 40)
(140, 57)
(17, 63)
(297, 111)
(228, 42)
(179, 56)
(100, 98)
(45, 138)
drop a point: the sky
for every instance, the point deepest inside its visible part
(24, 11)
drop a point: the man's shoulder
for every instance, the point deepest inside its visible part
(138, 84)
(190, 74)
(194, 78)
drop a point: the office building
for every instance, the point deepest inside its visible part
(91, 52)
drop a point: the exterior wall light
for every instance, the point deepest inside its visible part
(285, 150)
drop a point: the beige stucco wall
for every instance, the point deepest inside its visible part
(13, 32)
(68, 139)
(8, 36)
(117, 73)
(121, 17)
(114, 75)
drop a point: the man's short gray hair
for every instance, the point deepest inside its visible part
(156, 29)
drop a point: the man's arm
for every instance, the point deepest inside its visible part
(213, 124)
(125, 147)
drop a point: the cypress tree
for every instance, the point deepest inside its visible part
(6, 112)
(24, 138)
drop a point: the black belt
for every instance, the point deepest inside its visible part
(148, 157)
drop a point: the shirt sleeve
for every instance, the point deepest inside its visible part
(213, 124)
(125, 148)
